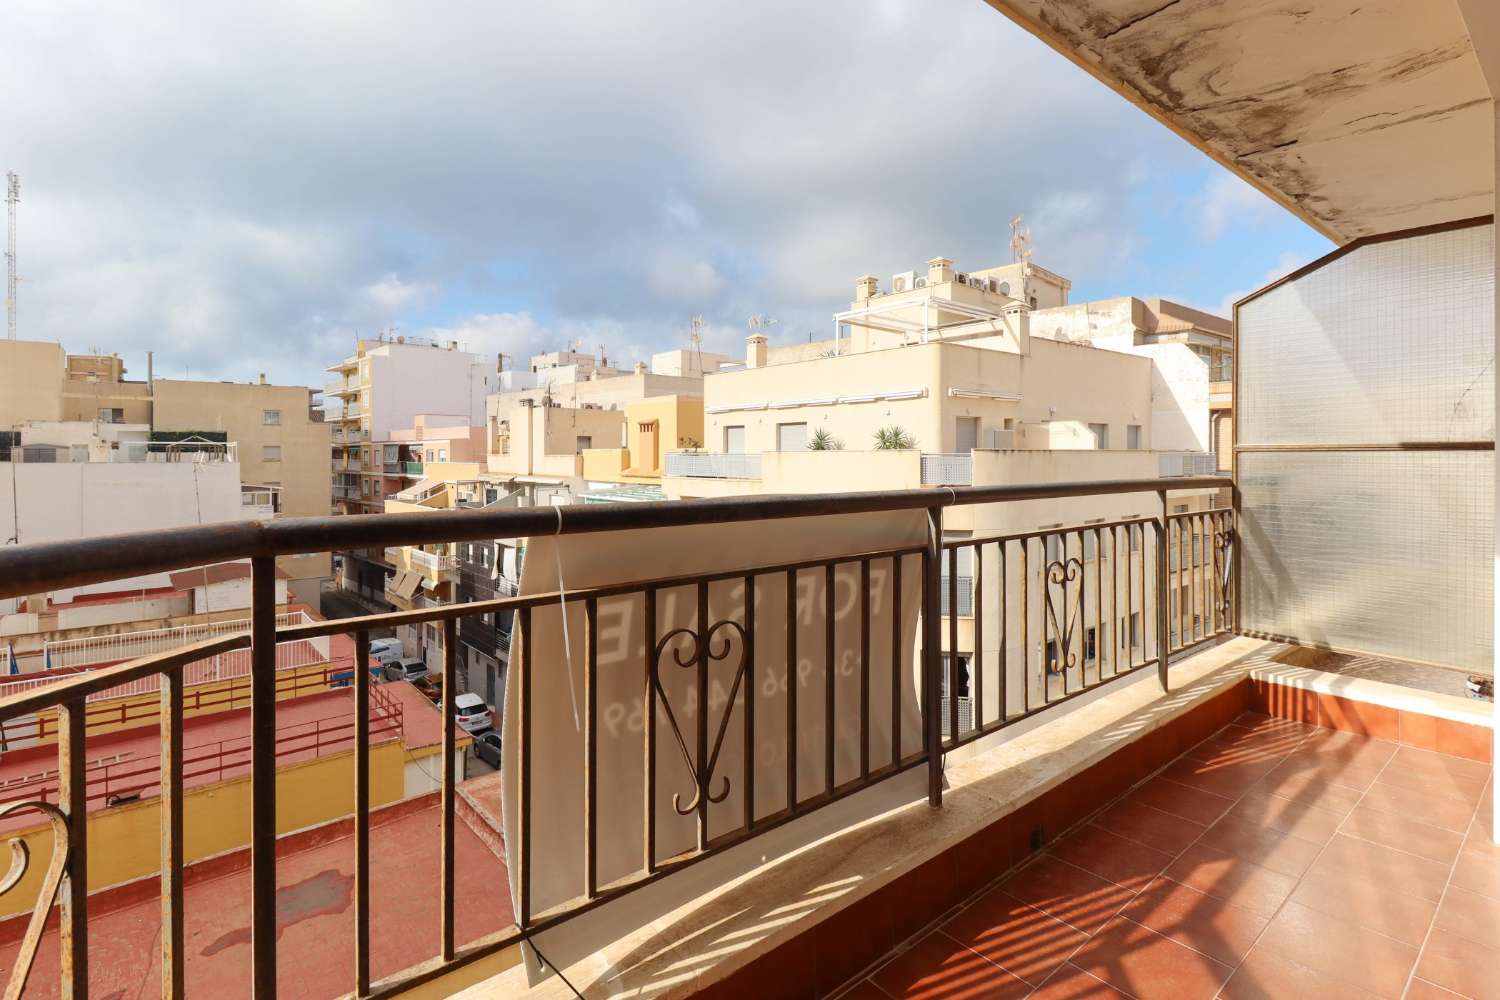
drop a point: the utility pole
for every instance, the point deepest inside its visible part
(12, 196)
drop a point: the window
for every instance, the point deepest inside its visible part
(585, 441)
(734, 439)
(1090, 645)
(271, 418)
(111, 415)
(1133, 436)
(270, 453)
(429, 455)
(960, 671)
(1101, 435)
(791, 437)
(967, 434)
(1135, 630)
(442, 454)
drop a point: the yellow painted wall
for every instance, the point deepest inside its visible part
(124, 842)
(141, 709)
(31, 374)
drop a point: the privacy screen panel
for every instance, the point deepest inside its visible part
(1365, 411)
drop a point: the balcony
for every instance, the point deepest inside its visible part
(411, 469)
(713, 465)
(896, 584)
(947, 470)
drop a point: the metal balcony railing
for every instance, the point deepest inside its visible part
(1047, 624)
(960, 595)
(1188, 463)
(713, 465)
(947, 470)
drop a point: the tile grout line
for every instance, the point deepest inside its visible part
(1174, 858)
(1447, 884)
(1337, 831)
(936, 926)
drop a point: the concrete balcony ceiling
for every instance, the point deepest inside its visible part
(1360, 119)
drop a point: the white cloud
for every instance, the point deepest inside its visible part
(1227, 201)
(243, 194)
(1288, 262)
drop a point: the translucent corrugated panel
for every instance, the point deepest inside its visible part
(1393, 342)
(1381, 551)
(1378, 551)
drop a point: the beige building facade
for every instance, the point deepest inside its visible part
(282, 443)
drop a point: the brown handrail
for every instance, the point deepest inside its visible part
(30, 569)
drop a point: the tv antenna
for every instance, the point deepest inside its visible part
(12, 197)
(1020, 242)
(695, 340)
(760, 322)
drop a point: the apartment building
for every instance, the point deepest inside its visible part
(383, 387)
(281, 440)
(921, 390)
(278, 433)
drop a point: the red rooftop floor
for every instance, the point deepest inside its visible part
(315, 914)
(1275, 859)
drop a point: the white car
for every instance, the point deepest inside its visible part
(471, 713)
(379, 646)
(405, 670)
(387, 656)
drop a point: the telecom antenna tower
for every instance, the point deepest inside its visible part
(12, 196)
(695, 341)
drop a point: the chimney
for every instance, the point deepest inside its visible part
(864, 287)
(640, 367)
(262, 379)
(1018, 320)
(939, 269)
(755, 351)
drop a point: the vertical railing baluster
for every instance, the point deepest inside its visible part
(897, 684)
(523, 765)
(950, 662)
(1025, 630)
(1004, 712)
(1163, 543)
(791, 691)
(591, 747)
(1114, 604)
(750, 695)
(830, 672)
(450, 765)
(361, 813)
(263, 775)
(1130, 612)
(72, 800)
(1098, 608)
(648, 764)
(700, 761)
(173, 937)
(864, 669)
(932, 729)
(1184, 580)
(976, 672)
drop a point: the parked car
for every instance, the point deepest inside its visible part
(471, 713)
(378, 646)
(487, 747)
(431, 686)
(406, 669)
(387, 656)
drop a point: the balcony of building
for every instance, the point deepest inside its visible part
(988, 737)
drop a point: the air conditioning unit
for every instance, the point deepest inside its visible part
(999, 439)
(903, 281)
(919, 283)
(1004, 288)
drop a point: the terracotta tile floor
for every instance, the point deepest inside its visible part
(1274, 859)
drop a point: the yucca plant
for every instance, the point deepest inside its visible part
(821, 440)
(893, 438)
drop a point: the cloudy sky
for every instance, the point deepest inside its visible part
(245, 188)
